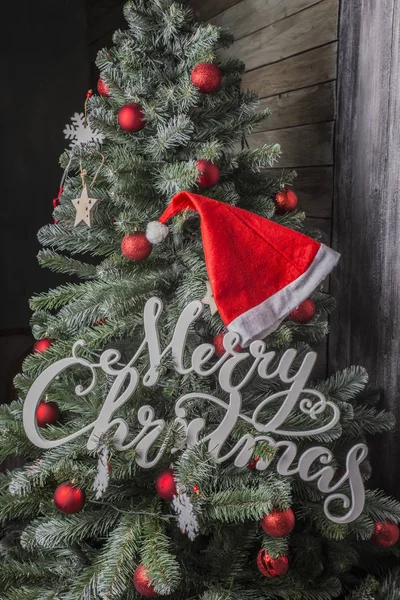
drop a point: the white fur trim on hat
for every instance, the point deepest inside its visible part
(265, 318)
(156, 232)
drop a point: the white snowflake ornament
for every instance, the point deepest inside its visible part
(79, 134)
(102, 478)
(187, 518)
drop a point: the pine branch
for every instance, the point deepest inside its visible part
(164, 570)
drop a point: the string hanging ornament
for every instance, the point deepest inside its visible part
(79, 132)
(56, 200)
(85, 204)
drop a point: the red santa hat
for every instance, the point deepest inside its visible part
(259, 270)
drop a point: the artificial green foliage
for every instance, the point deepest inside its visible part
(92, 555)
(386, 588)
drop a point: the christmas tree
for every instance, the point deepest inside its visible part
(163, 457)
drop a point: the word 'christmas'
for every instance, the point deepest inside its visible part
(313, 465)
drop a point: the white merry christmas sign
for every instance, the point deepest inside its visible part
(314, 464)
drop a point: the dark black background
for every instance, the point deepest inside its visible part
(45, 67)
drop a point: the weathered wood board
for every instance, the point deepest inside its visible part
(304, 146)
(305, 69)
(300, 107)
(302, 31)
(366, 325)
(206, 9)
(314, 187)
(248, 16)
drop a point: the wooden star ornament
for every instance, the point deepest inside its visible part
(84, 207)
(209, 299)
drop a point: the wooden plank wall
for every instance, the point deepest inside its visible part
(290, 51)
(366, 325)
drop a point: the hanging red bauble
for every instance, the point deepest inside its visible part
(142, 582)
(219, 346)
(166, 486)
(42, 345)
(208, 174)
(131, 117)
(206, 77)
(103, 88)
(304, 312)
(278, 523)
(286, 201)
(272, 567)
(385, 534)
(47, 413)
(69, 498)
(136, 246)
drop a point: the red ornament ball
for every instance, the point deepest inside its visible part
(136, 246)
(385, 534)
(142, 583)
(286, 201)
(272, 567)
(278, 523)
(219, 345)
(47, 413)
(42, 345)
(208, 174)
(103, 88)
(206, 77)
(69, 498)
(166, 486)
(304, 312)
(131, 117)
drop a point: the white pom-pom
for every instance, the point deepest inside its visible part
(156, 232)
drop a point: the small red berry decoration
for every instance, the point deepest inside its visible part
(253, 463)
(136, 246)
(131, 117)
(286, 201)
(196, 489)
(385, 535)
(47, 413)
(103, 88)
(272, 567)
(42, 345)
(304, 312)
(206, 77)
(102, 321)
(218, 343)
(279, 523)
(69, 498)
(166, 486)
(142, 582)
(209, 174)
